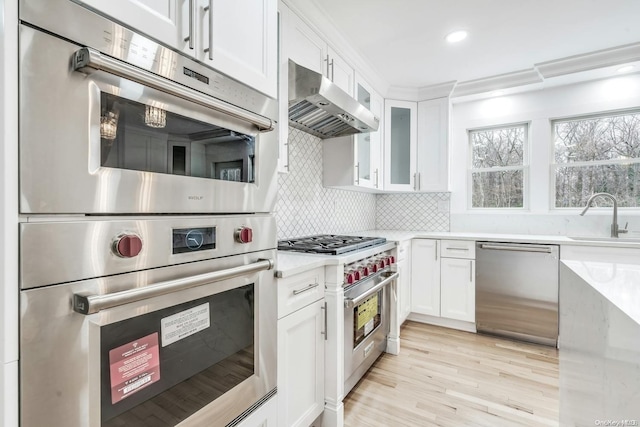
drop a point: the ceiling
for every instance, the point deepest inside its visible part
(404, 40)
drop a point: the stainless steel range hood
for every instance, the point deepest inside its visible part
(320, 107)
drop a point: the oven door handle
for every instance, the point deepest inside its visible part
(90, 304)
(88, 60)
(352, 302)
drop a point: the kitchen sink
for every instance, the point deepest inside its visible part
(606, 239)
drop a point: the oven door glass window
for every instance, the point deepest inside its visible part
(159, 368)
(367, 317)
(151, 139)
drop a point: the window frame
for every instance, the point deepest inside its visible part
(553, 166)
(525, 167)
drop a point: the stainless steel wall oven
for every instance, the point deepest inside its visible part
(191, 343)
(126, 125)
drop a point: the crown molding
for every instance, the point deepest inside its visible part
(441, 90)
(590, 61)
(502, 81)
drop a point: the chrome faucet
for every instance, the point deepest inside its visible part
(615, 230)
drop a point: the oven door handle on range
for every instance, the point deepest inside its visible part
(90, 304)
(352, 302)
(88, 60)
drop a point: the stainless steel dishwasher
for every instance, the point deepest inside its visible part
(517, 291)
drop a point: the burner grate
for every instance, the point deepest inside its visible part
(329, 244)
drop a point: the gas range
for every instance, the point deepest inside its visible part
(329, 244)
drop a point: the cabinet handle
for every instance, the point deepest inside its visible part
(419, 179)
(457, 249)
(415, 182)
(332, 71)
(210, 48)
(436, 250)
(324, 310)
(358, 173)
(189, 38)
(376, 172)
(308, 288)
(470, 271)
(327, 60)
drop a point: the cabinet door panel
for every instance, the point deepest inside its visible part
(425, 277)
(244, 42)
(400, 145)
(304, 46)
(341, 73)
(166, 21)
(301, 366)
(457, 289)
(433, 130)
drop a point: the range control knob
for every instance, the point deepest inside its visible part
(374, 267)
(127, 245)
(380, 263)
(392, 260)
(244, 235)
(356, 275)
(365, 271)
(349, 278)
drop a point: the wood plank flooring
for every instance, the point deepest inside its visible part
(445, 377)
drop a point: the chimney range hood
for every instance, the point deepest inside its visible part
(320, 107)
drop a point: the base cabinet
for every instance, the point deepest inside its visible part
(443, 279)
(301, 342)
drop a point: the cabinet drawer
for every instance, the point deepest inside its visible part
(458, 249)
(300, 290)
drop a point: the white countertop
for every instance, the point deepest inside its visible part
(619, 283)
(290, 263)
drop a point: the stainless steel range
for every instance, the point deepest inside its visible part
(360, 289)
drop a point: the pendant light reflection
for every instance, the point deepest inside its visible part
(155, 117)
(109, 125)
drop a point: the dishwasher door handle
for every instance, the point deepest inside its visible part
(517, 248)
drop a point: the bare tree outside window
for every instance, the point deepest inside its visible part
(498, 166)
(597, 154)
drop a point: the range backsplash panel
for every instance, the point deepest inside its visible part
(409, 211)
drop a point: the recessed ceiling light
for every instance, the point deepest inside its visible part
(456, 36)
(625, 69)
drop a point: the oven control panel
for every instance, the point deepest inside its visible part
(363, 268)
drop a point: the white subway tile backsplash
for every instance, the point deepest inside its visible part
(410, 211)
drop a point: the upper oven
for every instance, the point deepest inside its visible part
(112, 122)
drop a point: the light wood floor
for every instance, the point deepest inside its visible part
(444, 377)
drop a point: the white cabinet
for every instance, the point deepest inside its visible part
(244, 40)
(425, 275)
(416, 145)
(305, 47)
(400, 145)
(301, 338)
(185, 25)
(433, 136)
(355, 161)
(457, 289)
(166, 21)
(404, 266)
(443, 279)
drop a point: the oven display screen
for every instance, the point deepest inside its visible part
(193, 239)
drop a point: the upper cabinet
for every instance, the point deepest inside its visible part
(185, 25)
(339, 72)
(355, 161)
(400, 145)
(416, 145)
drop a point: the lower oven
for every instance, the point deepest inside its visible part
(366, 323)
(188, 344)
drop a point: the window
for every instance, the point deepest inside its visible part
(597, 154)
(498, 166)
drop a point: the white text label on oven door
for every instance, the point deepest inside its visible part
(183, 324)
(368, 327)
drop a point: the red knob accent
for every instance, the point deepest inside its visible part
(348, 278)
(365, 271)
(381, 263)
(244, 235)
(392, 260)
(374, 268)
(356, 275)
(128, 246)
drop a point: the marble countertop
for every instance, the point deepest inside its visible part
(617, 282)
(291, 263)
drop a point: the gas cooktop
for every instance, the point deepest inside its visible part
(329, 244)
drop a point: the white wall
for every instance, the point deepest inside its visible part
(8, 213)
(537, 108)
